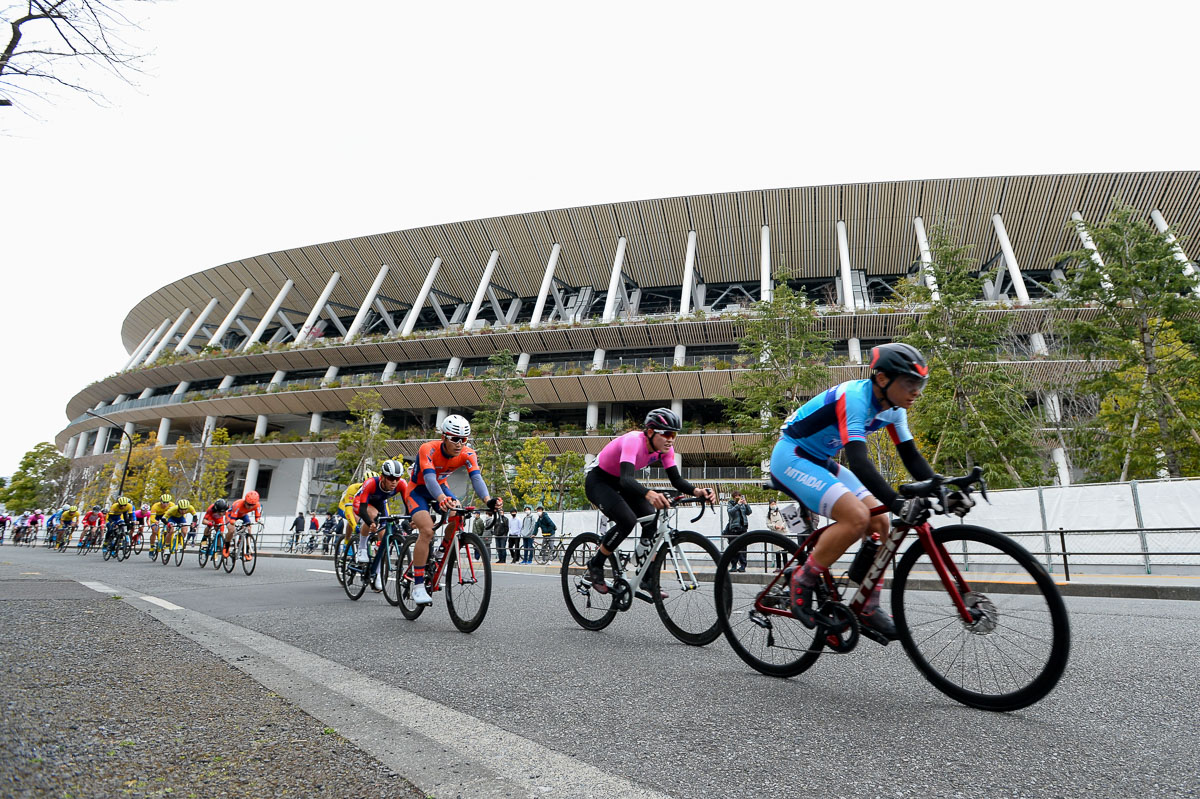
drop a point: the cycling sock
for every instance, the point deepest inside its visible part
(597, 561)
(811, 573)
(418, 575)
(362, 543)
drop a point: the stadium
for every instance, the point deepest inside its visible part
(613, 309)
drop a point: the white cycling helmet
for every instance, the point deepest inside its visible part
(455, 425)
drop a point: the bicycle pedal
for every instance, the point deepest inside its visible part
(874, 636)
(642, 595)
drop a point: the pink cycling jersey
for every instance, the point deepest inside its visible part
(633, 447)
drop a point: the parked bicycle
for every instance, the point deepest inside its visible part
(461, 562)
(975, 612)
(552, 548)
(678, 563)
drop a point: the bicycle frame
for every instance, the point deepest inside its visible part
(675, 553)
(450, 541)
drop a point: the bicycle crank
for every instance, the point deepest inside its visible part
(622, 594)
(839, 627)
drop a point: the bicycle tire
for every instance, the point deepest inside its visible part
(139, 543)
(126, 547)
(106, 551)
(782, 648)
(203, 553)
(249, 554)
(1024, 629)
(468, 583)
(339, 561)
(690, 610)
(179, 546)
(401, 569)
(542, 555)
(391, 585)
(356, 581)
(590, 609)
(230, 560)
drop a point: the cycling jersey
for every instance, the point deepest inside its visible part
(177, 515)
(159, 509)
(346, 507)
(372, 493)
(69, 516)
(93, 517)
(847, 412)
(633, 447)
(121, 510)
(212, 517)
(427, 481)
(240, 511)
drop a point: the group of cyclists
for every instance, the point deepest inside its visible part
(854, 495)
(98, 525)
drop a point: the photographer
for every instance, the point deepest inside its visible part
(739, 522)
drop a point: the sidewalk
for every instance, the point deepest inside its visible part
(201, 728)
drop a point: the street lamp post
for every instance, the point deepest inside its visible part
(128, 452)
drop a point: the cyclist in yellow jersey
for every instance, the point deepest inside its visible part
(121, 511)
(69, 517)
(180, 514)
(158, 513)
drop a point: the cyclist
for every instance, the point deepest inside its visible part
(121, 511)
(158, 512)
(802, 466)
(68, 518)
(240, 512)
(437, 460)
(93, 520)
(345, 508)
(611, 486)
(214, 519)
(180, 516)
(142, 515)
(370, 503)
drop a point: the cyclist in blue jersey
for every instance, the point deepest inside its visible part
(802, 465)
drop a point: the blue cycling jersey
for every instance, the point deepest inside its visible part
(847, 412)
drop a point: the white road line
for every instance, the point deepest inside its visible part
(322, 571)
(97, 587)
(162, 603)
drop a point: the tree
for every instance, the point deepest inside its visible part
(973, 410)
(498, 431)
(788, 359)
(532, 483)
(51, 40)
(38, 481)
(363, 443)
(1143, 340)
(567, 477)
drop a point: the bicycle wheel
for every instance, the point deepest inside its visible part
(590, 609)
(468, 583)
(106, 550)
(178, 546)
(202, 552)
(139, 541)
(1015, 651)
(249, 554)
(690, 610)
(339, 562)
(355, 583)
(401, 571)
(126, 547)
(774, 644)
(542, 554)
(391, 582)
(230, 560)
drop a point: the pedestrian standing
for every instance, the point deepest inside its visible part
(528, 530)
(297, 529)
(514, 537)
(499, 525)
(738, 512)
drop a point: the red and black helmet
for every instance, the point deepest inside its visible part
(897, 359)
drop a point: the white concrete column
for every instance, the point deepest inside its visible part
(361, 316)
(81, 445)
(481, 290)
(410, 321)
(314, 423)
(223, 328)
(852, 344)
(149, 345)
(315, 313)
(260, 427)
(69, 449)
(146, 392)
(206, 435)
(1180, 256)
(261, 327)
(1014, 270)
(195, 328)
(306, 471)
(677, 407)
(689, 265)
(129, 428)
(164, 430)
(388, 370)
(680, 355)
(251, 476)
(100, 442)
(138, 350)
(544, 291)
(442, 413)
(226, 382)
(926, 259)
(614, 282)
(593, 416)
(171, 331)
(766, 284)
(1085, 239)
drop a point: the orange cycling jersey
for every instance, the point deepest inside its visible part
(431, 459)
(240, 509)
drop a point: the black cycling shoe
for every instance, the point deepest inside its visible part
(878, 626)
(646, 591)
(802, 602)
(596, 578)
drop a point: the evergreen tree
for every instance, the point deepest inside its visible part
(974, 411)
(1143, 340)
(533, 482)
(38, 481)
(363, 444)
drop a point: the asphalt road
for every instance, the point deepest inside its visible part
(632, 702)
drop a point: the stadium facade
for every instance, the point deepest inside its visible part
(613, 308)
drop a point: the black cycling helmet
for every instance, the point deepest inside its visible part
(897, 359)
(220, 506)
(663, 419)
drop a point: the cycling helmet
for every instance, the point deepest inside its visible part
(124, 501)
(165, 498)
(897, 359)
(251, 498)
(392, 468)
(455, 425)
(145, 506)
(95, 509)
(663, 419)
(368, 474)
(184, 505)
(220, 506)
(74, 509)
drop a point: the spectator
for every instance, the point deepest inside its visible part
(739, 522)
(297, 528)
(514, 537)
(776, 524)
(499, 527)
(528, 530)
(313, 524)
(544, 523)
(331, 527)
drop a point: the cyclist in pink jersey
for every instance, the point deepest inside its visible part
(611, 485)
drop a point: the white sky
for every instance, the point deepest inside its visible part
(269, 124)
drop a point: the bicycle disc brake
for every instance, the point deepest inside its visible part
(839, 625)
(622, 594)
(983, 610)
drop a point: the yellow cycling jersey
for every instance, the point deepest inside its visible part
(161, 508)
(175, 513)
(349, 494)
(120, 510)
(68, 517)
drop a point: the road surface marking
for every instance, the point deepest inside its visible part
(162, 603)
(100, 588)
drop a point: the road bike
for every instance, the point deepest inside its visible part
(243, 548)
(210, 548)
(174, 546)
(356, 575)
(679, 563)
(552, 548)
(87, 539)
(975, 612)
(116, 543)
(64, 537)
(461, 561)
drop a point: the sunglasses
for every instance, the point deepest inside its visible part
(456, 439)
(667, 436)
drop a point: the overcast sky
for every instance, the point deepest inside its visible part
(267, 124)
